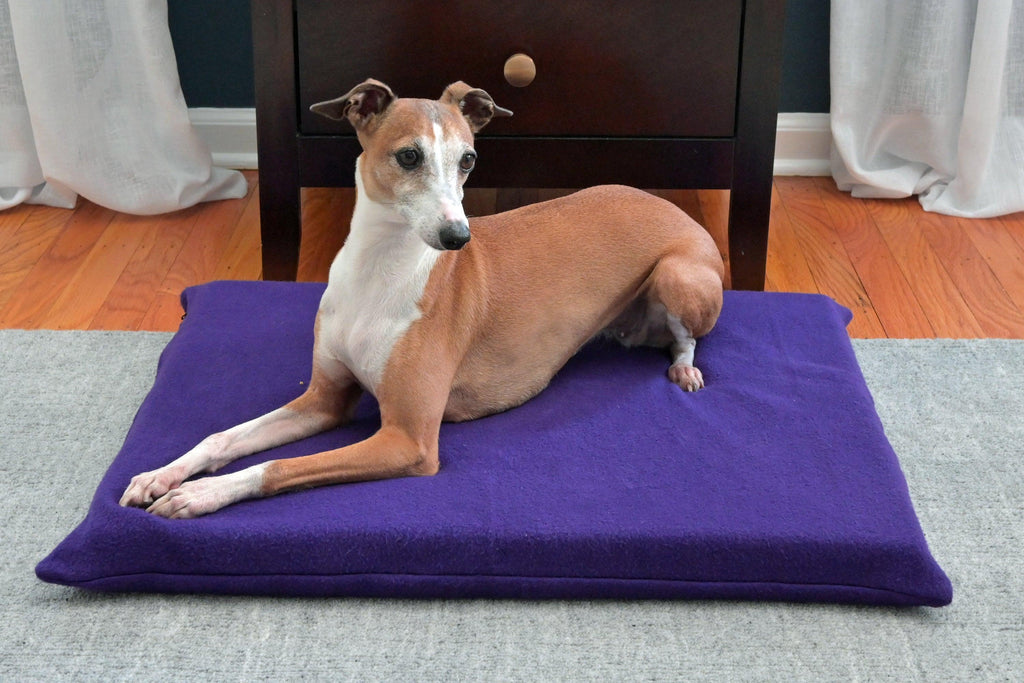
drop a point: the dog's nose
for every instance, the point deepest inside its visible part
(454, 234)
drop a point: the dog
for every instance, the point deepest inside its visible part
(445, 318)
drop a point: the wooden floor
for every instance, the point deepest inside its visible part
(904, 272)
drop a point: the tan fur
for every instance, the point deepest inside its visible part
(534, 284)
(503, 315)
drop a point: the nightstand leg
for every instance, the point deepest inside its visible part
(749, 213)
(280, 228)
(273, 26)
(754, 157)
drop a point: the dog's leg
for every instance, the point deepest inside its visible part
(406, 445)
(391, 452)
(327, 403)
(692, 298)
(682, 370)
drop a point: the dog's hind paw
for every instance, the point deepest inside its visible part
(687, 377)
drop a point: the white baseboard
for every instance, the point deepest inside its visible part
(229, 133)
(802, 141)
(802, 144)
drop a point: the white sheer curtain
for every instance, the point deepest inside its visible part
(90, 104)
(928, 100)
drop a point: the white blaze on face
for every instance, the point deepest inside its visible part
(435, 194)
(448, 153)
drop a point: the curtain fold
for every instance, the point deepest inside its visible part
(90, 104)
(928, 100)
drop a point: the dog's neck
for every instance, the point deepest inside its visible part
(375, 286)
(382, 240)
(382, 254)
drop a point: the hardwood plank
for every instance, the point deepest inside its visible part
(242, 257)
(786, 269)
(326, 216)
(1014, 226)
(714, 207)
(892, 298)
(91, 284)
(93, 267)
(10, 220)
(826, 256)
(30, 236)
(164, 313)
(992, 308)
(948, 313)
(197, 260)
(51, 274)
(1004, 255)
(204, 248)
(133, 292)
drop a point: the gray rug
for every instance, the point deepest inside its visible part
(954, 411)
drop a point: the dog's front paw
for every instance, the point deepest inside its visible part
(146, 487)
(203, 496)
(687, 377)
(191, 499)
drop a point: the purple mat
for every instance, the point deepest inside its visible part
(775, 482)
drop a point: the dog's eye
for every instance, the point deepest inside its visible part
(468, 162)
(409, 158)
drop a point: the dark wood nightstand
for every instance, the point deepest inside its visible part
(668, 94)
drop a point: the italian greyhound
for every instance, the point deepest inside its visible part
(439, 326)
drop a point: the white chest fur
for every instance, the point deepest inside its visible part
(373, 292)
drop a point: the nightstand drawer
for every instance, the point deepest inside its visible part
(644, 68)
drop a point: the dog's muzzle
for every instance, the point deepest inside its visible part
(454, 234)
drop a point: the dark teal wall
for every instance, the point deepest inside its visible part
(213, 43)
(213, 46)
(805, 57)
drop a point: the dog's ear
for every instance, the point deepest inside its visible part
(475, 104)
(365, 101)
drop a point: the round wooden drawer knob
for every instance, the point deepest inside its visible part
(520, 70)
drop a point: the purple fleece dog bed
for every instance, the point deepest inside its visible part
(775, 482)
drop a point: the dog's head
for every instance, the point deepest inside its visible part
(417, 153)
